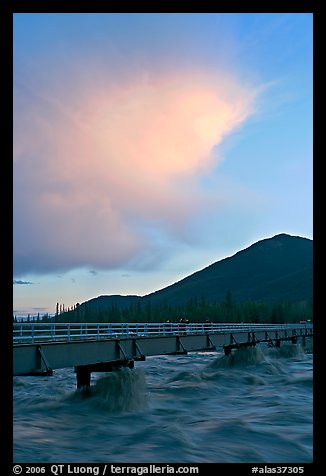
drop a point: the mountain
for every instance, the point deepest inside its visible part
(273, 270)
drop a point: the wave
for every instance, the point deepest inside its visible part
(287, 351)
(242, 357)
(123, 390)
(246, 365)
(257, 355)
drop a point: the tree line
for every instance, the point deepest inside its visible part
(194, 310)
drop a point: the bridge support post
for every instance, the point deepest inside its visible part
(40, 358)
(83, 377)
(227, 349)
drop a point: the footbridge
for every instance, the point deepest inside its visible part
(40, 348)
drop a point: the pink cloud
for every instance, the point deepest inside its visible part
(93, 167)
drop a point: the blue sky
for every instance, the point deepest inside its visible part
(148, 146)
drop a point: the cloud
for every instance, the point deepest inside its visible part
(19, 281)
(113, 168)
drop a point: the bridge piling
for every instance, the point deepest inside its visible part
(83, 375)
(83, 372)
(277, 343)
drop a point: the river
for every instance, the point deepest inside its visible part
(252, 406)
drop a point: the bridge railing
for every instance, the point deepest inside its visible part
(29, 333)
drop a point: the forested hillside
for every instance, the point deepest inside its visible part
(270, 281)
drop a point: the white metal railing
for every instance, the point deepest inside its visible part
(27, 333)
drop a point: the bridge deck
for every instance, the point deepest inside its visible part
(40, 348)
